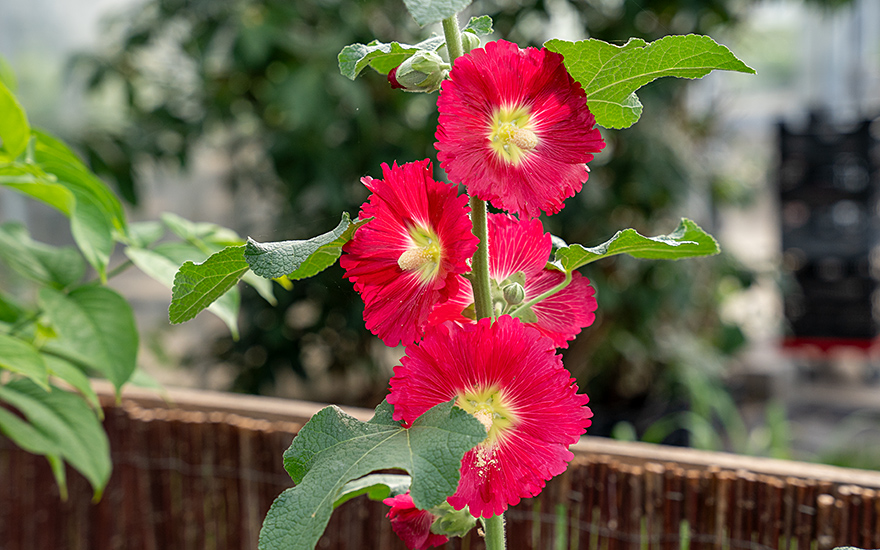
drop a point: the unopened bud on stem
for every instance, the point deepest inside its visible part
(422, 72)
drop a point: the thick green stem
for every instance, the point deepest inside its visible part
(480, 263)
(494, 526)
(453, 38)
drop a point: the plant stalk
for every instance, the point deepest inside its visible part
(494, 527)
(480, 263)
(453, 38)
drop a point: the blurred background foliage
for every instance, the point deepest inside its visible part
(256, 79)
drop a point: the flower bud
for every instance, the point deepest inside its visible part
(422, 72)
(514, 293)
(451, 522)
(469, 41)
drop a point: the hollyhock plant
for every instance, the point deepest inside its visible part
(518, 255)
(510, 378)
(412, 525)
(407, 259)
(515, 128)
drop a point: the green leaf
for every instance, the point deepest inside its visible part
(481, 26)
(163, 268)
(426, 12)
(95, 327)
(687, 241)
(98, 214)
(196, 286)
(354, 58)
(263, 286)
(31, 180)
(23, 358)
(201, 232)
(73, 375)
(48, 265)
(271, 260)
(56, 158)
(375, 486)
(7, 75)
(67, 425)
(143, 234)
(14, 128)
(611, 74)
(333, 449)
(327, 254)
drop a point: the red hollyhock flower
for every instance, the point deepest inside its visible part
(405, 261)
(412, 525)
(515, 128)
(521, 246)
(510, 378)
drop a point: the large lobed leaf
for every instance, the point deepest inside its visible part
(611, 74)
(687, 241)
(334, 448)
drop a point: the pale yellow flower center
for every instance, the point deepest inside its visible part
(490, 408)
(511, 135)
(423, 256)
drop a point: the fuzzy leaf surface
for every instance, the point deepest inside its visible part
(426, 12)
(611, 74)
(277, 259)
(687, 241)
(326, 255)
(334, 448)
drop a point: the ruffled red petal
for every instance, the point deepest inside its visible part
(549, 413)
(397, 302)
(521, 245)
(412, 525)
(501, 75)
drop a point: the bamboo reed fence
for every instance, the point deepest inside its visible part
(201, 474)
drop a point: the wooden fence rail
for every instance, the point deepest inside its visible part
(201, 475)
